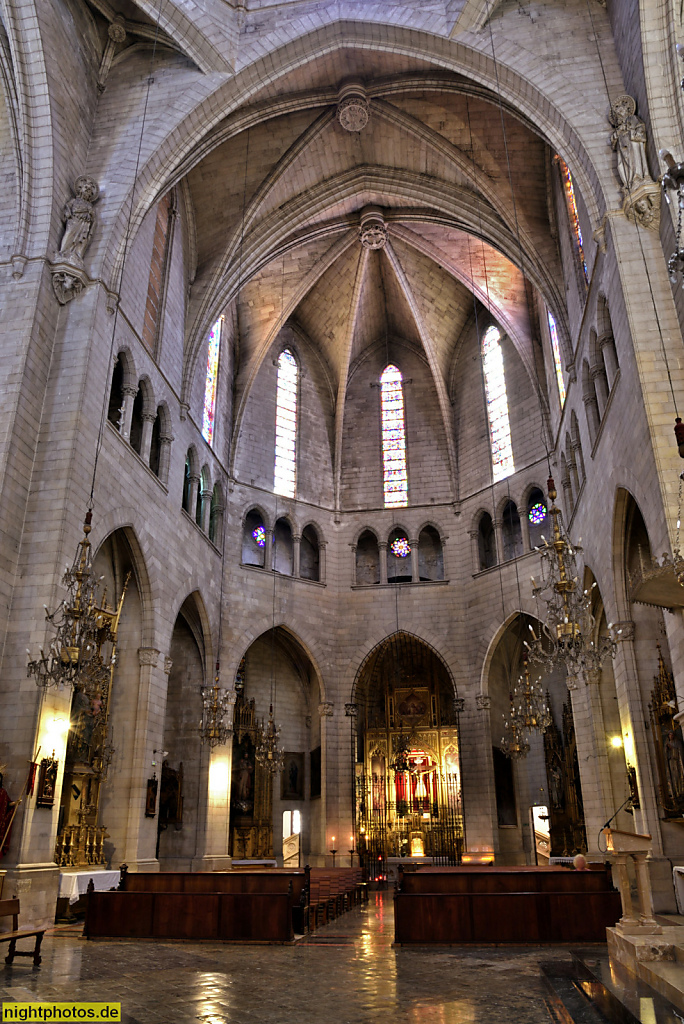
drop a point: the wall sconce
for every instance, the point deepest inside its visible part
(616, 742)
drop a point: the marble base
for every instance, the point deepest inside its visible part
(656, 959)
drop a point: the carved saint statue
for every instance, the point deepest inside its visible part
(79, 218)
(629, 142)
(674, 759)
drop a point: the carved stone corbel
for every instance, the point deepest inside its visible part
(483, 702)
(326, 709)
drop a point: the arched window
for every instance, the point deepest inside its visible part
(253, 540)
(137, 420)
(155, 443)
(395, 478)
(187, 484)
(158, 273)
(211, 381)
(284, 473)
(497, 404)
(283, 548)
(367, 559)
(486, 542)
(555, 346)
(510, 529)
(216, 516)
(537, 517)
(398, 557)
(116, 395)
(573, 215)
(430, 556)
(309, 555)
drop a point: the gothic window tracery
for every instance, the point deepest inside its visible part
(284, 475)
(497, 404)
(395, 477)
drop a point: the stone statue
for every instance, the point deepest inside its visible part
(629, 141)
(641, 195)
(68, 273)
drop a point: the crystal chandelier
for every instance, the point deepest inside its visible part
(514, 743)
(568, 634)
(216, 703)
(268, 753)
(673, 181)
(83, 627)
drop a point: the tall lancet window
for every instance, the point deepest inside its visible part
(395, 478)
(284, 475)
(571, 202)
(555, 345)
(213, 354)
(497, 404)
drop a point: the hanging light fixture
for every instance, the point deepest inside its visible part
(83, 627)
(568, 635)
(268, 753)
(529, 702)
(514, 743)
(216, 703)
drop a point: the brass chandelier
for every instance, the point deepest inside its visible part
(216, 704)
(82, 651)
(529, 712)
(568, 636)
(268, 753)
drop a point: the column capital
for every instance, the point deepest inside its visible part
(168, 665)
(483, 702)
(326, 709)
(625, 630)
(351, 710)
(148, 655)
(130, 389)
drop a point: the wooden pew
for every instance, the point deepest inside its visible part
(226, 916)
(262, 881)
(504, 905)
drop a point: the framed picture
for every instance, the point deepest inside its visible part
(151, 797)
(292, 777)
(47, 782)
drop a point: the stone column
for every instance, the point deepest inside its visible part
(146, 442)
(206, 496)
(330, 824)
(592, 757)
(415, 570)
(477, 775)
(130, 391)
(321, 561)
(592, 416)
(192, 497)
(524, 528)
(574, 478)
(213, 834)
(353, 563)
(579, 459)
(139, 840)
(382, 550)
(598, 375)
(498, 535)
(296, 551)
(475, 549)
(165, 442)
(607, 346)
(268, 549)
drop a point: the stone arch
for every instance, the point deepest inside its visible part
(151, 588)
(387, 639)
(297, 631)
(262, 512)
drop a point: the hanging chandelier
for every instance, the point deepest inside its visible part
(83, 627)
(529, 703)
(268, 753)
(514, 743)
(401, 763)
(673, 181)
(568, 635)
(216, 703)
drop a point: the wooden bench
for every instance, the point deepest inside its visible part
(10, 908)
(504, 905)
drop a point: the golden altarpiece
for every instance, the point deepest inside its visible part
(251, 790)
(407, 774)
(80, 839)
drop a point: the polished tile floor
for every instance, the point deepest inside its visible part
(346, 973)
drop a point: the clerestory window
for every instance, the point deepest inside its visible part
(213, 353)
(395, 477)
(285, 469)
(497, 404)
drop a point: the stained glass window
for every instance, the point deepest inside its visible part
(555, 345)
(213, 353)
(537, 513)
(395, 478)
(572, 213)
(286, 425)
(497, 404)
(400, 547)
(259, 535)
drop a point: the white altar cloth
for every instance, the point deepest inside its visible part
(74, 883)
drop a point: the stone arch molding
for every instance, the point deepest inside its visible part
(490, 642)
(358, 663)
(556, 114)
(298, 630)
(150, 584)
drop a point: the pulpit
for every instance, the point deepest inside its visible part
(621, 846)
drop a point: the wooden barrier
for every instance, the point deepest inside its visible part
(504, 905)
(228, 916)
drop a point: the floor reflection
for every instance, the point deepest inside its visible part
(346, 972)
